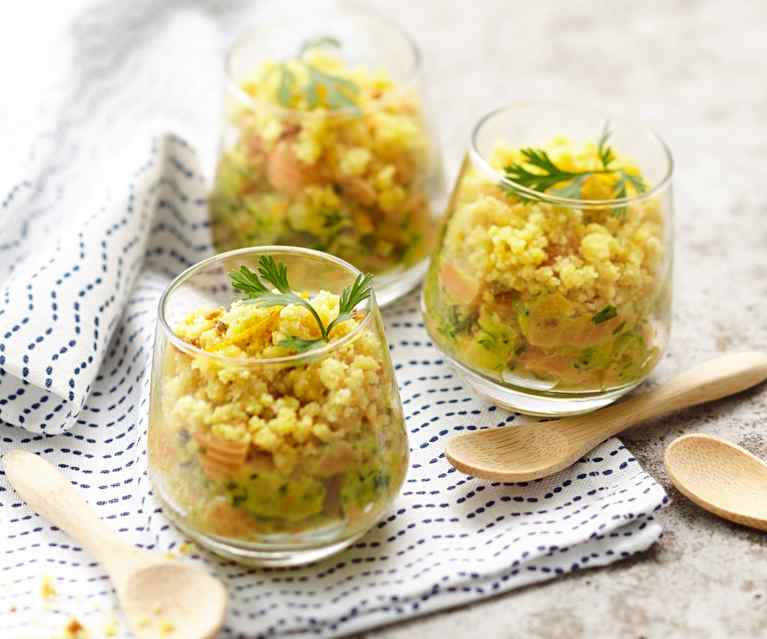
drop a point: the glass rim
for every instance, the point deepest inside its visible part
(540, 196)
(246, 36)
(298, 358)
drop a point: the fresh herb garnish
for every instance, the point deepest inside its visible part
(285, 90)
(538, 172)
(607, 313)
(332, 219)
(319, 41)
(336, 92)
(251, 284)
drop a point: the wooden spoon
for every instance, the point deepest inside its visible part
(531, 451)
(161, 597)
(721, 477)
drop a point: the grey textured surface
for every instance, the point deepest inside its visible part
(696, 72)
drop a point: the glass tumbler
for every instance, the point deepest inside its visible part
(327, 144)
(278, 461)
(550, 290)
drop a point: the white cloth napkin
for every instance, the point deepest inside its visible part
(83, 260)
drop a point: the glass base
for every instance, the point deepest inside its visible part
(538, 403)
(258, 555)
(392, 286)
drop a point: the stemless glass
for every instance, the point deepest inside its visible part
(555, 302)
(320, 450)
(327, 144)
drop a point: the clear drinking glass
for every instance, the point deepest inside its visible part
(327, 144)
(320, 450)
(555, 301)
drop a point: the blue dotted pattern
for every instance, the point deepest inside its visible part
(78, 325)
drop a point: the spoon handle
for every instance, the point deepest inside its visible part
(51, 495)
(715, 379)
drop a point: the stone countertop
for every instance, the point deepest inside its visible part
(696, 72)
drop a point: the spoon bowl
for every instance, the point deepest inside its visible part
(720, 477)
(161, 597)
(172, 598)
(531, 451)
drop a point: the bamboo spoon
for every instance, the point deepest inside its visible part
(721, 477)
(531, 451)
(161, 597)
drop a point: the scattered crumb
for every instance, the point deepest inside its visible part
(170, 555)
(167, 628)
(143, 622)
(111, 629)
(75, 630)
(187, 548)
(157, 609)
(13, 609)
(47, 591)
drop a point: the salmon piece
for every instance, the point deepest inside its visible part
(593, 334)
(222, 518)
(336, 460)
(254, 144)
(359, 190)
(286, 172)
(459, 285)
(220, 457)
(552, 367)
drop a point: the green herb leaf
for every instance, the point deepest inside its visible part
(573, 189)
(338, 92)
(606, 154)
(256, 292)
(607, 313)
(538, 172)
(546, 176)
(301, 345)
(247, 282)
(351, 296)
(251, 284)
(332, 219)
(319, 41)
(274, 273)
(285, 89)
(487, 341)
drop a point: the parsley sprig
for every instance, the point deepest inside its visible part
(333, 90)
(253, 285)
(538, 172)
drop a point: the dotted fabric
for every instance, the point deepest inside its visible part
(77, 312)
(449, 539)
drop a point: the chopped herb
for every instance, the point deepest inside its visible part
(238, 499)
(338, 92)
(251, 284)
(319, 41)
(285, 90)
(487, 340)
(538, 172)
(620, 328)
(321, 88)
(380, 480)
(331, 219)
(607, 313)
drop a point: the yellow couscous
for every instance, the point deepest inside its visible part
(326, 156)
(245, 448)
(529, 290)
